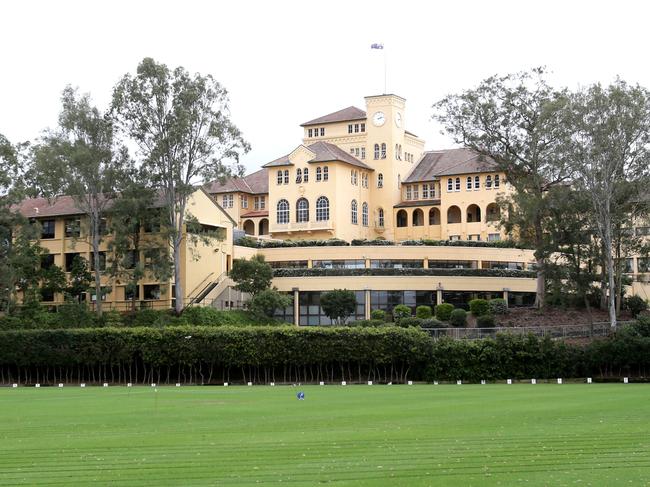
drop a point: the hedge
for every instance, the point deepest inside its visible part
(265, 244)
(319, 271)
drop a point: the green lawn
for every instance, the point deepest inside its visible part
(470, 435)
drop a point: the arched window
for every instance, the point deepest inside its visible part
(305, 175)
(319, 174)
(383, 151)
(450, 184)
(418, 217)
(402, 218)
(457, 184)
(488, 182)
(279, 177)
(380, 180)
(496, 181)
(376, 151)
(283, 212)
(434, 216)
(380, 218)
(493, 213)
(322, 209)
(353, 208)
(302, 210)
(453, 214)
(364, 214)
(326, 174)
(473, 213)
(298, 175)
(286, 176)
(469, 183)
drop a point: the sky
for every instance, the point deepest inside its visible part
(286, 62)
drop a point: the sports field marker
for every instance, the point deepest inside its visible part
(129, 385)
(178, 384)
(533, 381)
(250, 384)
(82, 385)
(559, 381)
(625, 381)
(321, 383)
(14, 385)
(225, 384)
(588, 380)
(105, 384)
(410, 382)
(60, 385)
(37, 385)
(343, 383)
(459, 382)
(435, 382)
(272, 384)
(509, 382)
(483, 382)
(369, 382)
(153, 384)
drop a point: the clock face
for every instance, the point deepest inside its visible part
(398, 119)
(379, 119)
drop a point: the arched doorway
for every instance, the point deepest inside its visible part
(418, 217)
(473, 213)
(453, 214)
(264, 226)
(402, 218)
(434, 216)
(249, 227)
(492, 213)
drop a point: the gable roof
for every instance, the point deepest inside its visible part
(326, 152)
(280, 161)
(349, 113)
(254, 183)
(434, 164)
(42, 207)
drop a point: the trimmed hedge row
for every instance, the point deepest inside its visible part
(266, 244)
(319, 271)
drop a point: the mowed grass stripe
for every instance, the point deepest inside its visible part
(241, 435)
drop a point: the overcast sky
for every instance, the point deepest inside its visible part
(287, 62)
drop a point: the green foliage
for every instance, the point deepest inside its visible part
(378, 314)
(498, 306)
(458, 318)
(369, 323)
(273, 244)
(80, 277)
(433, 323)
(636, 304)
(423, 312)
(407, 271)
(268, 301)
(479, 307)
(408, 321)
(338, 304)
(400, 312)
(267, 244)
(443, 311)
(485, 321)
(253, 275)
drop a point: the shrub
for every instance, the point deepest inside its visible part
(410, 321)
(400, 312)
(268, 301)
(368, 323)
(636, 305)
(202, 316)
(338, 305)
(479, 307)
(498, 306)
(485, 321)
(443, 311)
(423, 312)
(252, 276)
(378, 314)
(432, 323)
(112, 318)
(458, 317)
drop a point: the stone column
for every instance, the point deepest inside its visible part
(367, 307)
(296, 306)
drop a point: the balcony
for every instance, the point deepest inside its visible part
(310, 226)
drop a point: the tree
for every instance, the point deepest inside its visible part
(83, 160)
(610, 153)
(338, 305)
(517, 120)
(252, 276)
(268, 301)
(182, 127)
(80, 279)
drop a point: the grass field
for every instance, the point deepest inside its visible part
(447, 435)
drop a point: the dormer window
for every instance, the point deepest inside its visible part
(496, 181)
(322, 131)
(450, 185)
(309, 133)
(349, 128)
(298, 176)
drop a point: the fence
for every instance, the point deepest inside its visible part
(589, 330)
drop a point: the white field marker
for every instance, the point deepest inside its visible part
(14, 385)
(250, 384)
(153, 384)
(178, 384)
(272, 384)
(343, 383)
(410, 382)
(435, 382)
(105, 384)
(625, 380)
(82, 385)
(588, 380)
(369, 382)
(533, 381)
(225, 384)
(559, 381)
(129, 385)
(321, 383)
(483, 382)
(509, 382)
(37, 385)
(60, 385)
(459, 382)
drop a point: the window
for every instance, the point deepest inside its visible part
(151, 291)
(305, 175)
(131, 293)
(244, 201)
(450, 184)
(354, 212)
(352, 151)
(103, 226)
(47, 261)
(102, 261)
(286, 176)
(130, 259)
(47, 229)
(349, 128)
(376, 151)
(643, 264)
(408, 193)
(298, 175)
(477, 182)
(256, 203)
(228, 200)
(418, 217)
(302, 210)
(279, 177)
(457, 184)
(397, 151)
(402, 218)
(496, 181)
(47, 295)
(494, 237)
(363, 127)
(354, 177)
(383, 151)
(72, 227)
(416, 194)
(363, 153)
(322, 209)
(325, 173)
(364, 214)
(425, 191)
(380, 218)
(322, 131)
(356, 128)
(364, 180)
(283, 212)
(454, 238)
(488, 182)
(70, 259)
(319, 174)
(469, 183)
(380, 180)
(396, 264)
(356, 152)
(309, 132)
(262, 202)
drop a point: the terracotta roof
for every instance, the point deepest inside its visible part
(326, 152)
(349, 113)
(255, 213)
(254, 183)
(280, 161)
(410, 203)
(42, 207)
(434, 164)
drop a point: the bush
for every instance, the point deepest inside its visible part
(423, 312)
(498, 306)
(479, 307)
(378, 314)
(458, 318)
(432, 323)
(368, 323)
(443, 311)
(410, 321)
(338, 305)
(268, 301)
(636, 304)
(485, 321)
(400, 312)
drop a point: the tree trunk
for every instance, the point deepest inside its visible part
(540, 289)
(98, 278)
(178, 285)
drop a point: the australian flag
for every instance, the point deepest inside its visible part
(376, 46)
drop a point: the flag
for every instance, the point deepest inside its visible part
(376, 46)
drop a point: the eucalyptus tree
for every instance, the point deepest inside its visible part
(610, 154)
(82, 159)
(181, 125)
(517, 120)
